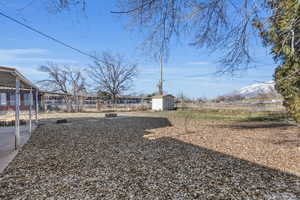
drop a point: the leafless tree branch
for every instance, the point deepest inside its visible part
(66, 80)
(113, 75)
(224, 26)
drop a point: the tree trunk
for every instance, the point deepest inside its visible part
(68, 101)
(114, 99)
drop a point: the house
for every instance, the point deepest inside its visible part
(53, 100)
(49, 100)
(8, 90)
(56, 101)
(8, 99)
(163, 102)
(127, 99)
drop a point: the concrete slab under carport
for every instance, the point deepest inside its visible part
(7, 144)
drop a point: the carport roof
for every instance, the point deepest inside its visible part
(8, 77)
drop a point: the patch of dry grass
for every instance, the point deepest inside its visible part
(225, 115)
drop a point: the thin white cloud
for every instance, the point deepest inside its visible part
(198, 78)
(36, 56)
(15, 52)
(171, 70)
(11, 56)
(29, 71)
(46, 60)
(198, 63)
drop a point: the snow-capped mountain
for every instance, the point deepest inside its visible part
(255, 90)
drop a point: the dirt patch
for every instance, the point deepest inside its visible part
(274, 145)
(116, 159)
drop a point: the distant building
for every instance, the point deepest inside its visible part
(47, 100)
(57, 101)
(8, 99)
(53, 100)
(126, 99)
(163, 102)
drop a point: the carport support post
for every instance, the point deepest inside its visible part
(36, 106)
(17, 119)
(30, 110)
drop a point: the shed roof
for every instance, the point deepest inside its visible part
(161, 96)
(8, 77)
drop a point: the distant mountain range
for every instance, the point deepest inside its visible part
(266, 89)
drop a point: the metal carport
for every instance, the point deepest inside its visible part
(11, 78)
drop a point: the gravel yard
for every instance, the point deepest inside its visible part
(145, 158)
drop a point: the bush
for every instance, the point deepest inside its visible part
(288, 85)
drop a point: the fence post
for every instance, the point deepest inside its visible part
(30, 110)
(17, 115)
(36, 106)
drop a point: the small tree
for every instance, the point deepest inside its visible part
(112, 74)
(182, 99)
(66, 80)
(283, 35)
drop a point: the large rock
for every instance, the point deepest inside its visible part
(110, 115)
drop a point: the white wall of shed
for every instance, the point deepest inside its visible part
(157, 104)
(163, 103)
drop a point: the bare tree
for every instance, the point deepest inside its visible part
(112, 75)
(221, 25)
(66, 80)
(56, 6)
(225, 26)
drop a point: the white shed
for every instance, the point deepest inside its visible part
(163, 102)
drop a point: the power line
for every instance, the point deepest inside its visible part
(49, 37)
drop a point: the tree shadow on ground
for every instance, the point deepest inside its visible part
(112, 159)
(146, 122)
(282, 134)
(259, 125)
(289, 143)
(268, 117)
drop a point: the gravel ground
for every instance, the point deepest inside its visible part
(135, 158)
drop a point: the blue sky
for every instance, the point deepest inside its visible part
(99, 30)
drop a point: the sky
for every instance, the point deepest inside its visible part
(188, 70)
